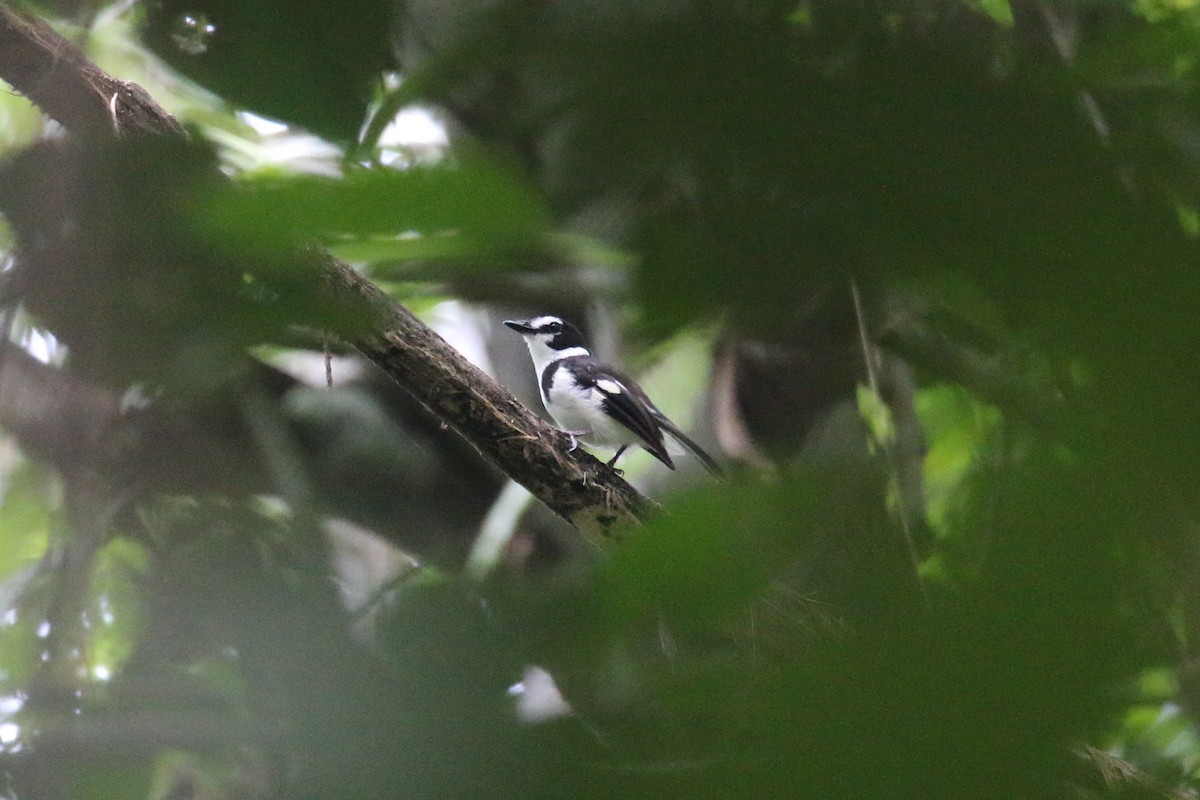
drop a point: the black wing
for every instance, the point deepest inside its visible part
(625, 402)
(663, 424)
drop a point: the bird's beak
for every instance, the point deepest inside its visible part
(520, 326)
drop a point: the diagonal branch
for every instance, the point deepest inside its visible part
(54, 414)
(58, 77)
(55, 74)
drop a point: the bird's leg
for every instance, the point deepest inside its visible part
(620, 450)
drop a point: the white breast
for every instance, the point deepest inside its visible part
(576, 409)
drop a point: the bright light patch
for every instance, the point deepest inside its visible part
(463, 327)
(415, 127)
(41, 345)
(261, 125)
(414, 136)
(11, 704)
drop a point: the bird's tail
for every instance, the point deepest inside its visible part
(695, 449)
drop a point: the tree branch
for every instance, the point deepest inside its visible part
(52, 413)
(59, 78)
(55, 74)
(576, 486)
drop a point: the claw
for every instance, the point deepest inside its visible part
(574, 439)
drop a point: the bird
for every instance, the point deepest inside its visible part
(592, 401)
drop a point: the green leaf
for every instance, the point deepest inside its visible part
(718, 549)
(27, 505)
(375, 250)
(469, 199)
(878, 416)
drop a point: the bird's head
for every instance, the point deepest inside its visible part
(549, 338)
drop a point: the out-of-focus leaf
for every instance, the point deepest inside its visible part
(310, 63)
(706, 560)
(718, 549)
(19, 120)
(26, 514)
(877, 415)
(471, 199)
(958, 428)
(114, 613)
(405, 248)
(139, 265)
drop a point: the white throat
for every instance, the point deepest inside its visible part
(544, 355)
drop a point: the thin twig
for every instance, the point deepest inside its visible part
(870, 356)
(328, 362)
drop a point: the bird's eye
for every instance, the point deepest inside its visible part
(554, 327)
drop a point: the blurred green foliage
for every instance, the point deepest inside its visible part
(310, 63)
(464, 203)
(1010, 182)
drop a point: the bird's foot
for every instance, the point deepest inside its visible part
(575, 439)
(612, 461)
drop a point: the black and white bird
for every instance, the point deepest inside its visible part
(593, 402)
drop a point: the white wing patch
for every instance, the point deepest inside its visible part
(575, 408)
